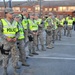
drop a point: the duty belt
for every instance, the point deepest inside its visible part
(34, 30)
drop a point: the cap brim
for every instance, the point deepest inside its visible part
(11, 12)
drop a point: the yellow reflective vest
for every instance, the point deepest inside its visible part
(46, 22)
(74, 19)
(62, 22)
(39, 21)
(55, 25)
(21, 32)
(25, 23)
(70, 22)
(8, 29)
(32, 25)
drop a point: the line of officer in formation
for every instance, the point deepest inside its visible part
(18, 30)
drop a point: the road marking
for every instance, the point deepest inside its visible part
(54, 58)
(64, 44)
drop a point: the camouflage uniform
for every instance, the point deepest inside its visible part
(20, 40)
(49, 31)
(8, 48)
(33, 32)
(40, 32)
(49, 37)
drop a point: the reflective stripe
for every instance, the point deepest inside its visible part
(39, 21)
(10, 35)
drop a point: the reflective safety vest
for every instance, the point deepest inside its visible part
(67, 18)
(74, 19)
(57, 21)
(46, 22)
(21, 32)
(62, 22)
(22, 17)
(70, 22)
(39, 21)
(9, 29)
(32, 25)
(25, 23)
(55, 25)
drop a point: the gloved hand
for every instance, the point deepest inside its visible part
(30, 37)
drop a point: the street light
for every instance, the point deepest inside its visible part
(10, 3)
(40, 7)
(4, 3)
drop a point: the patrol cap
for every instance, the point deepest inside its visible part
(16, 16)
(23, 9)
(8, 10)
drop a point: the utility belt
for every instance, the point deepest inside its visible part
(59, 25)
(12, 37)
(3, 51)
(25, 29)
(34, 30)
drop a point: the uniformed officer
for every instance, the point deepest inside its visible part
(40, 24)
(33, 32)
(65, 25)
(74, 22)
(8, 29)
(60, 26)
(48, 29)
(20, 40)
(24, 20)
(55, 22)
(69, 27)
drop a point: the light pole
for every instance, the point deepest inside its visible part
(4, 3)
(40, 8)
(10, 4)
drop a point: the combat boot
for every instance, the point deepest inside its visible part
(35, 53)
(43, 49)
(30, 54)
(5, 71)
(25, 64)
(17, 67)
(1, 61)
(15, 71)
(49, 46)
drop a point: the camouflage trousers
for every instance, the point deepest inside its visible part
(33, 44)
(13, 52)
(26, 35)
(41, 39)
(59, 32)
(49, 40)
(69, 31)
(22, 52)
(65, 29)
